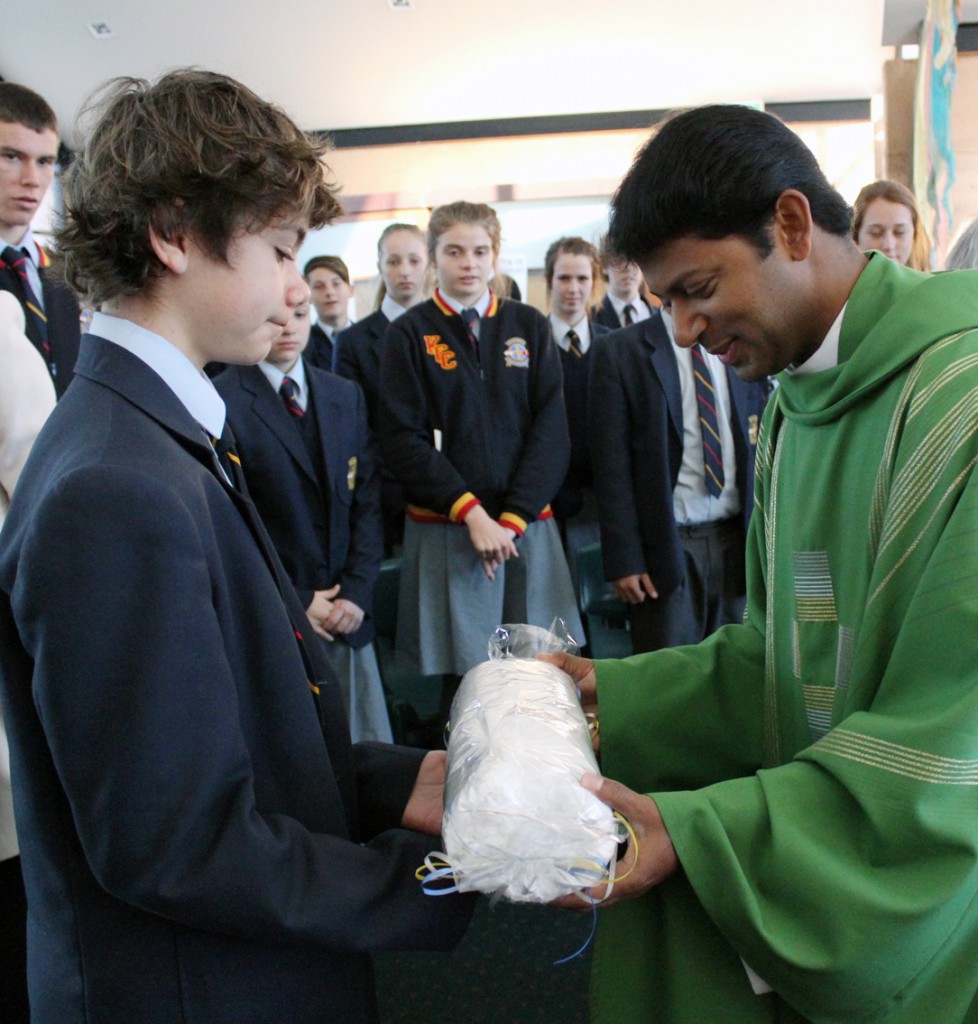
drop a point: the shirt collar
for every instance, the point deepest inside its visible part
(639, 306)
(30, 245)
(582, 328)
(480, 307)
(391, 309)
(618, 305)
(191, 386)
(275, 376)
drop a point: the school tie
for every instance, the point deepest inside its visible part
(15, 261)
(706, 404)
(469, 318)
(228, 461)
(574, 344)
(289, 391)
(629, 312)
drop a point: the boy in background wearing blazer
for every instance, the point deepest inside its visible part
(303, 437)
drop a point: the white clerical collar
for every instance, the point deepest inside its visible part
(826, 356)
(191, 386)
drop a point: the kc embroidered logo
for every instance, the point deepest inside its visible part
(515, 353)
(442, 354)
(351, 473)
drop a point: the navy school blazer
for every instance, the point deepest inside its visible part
(357, 353)
(64, 326)
(323, 537)
(199, 843)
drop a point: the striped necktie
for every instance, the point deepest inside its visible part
(289, 391)
(574, 344)
(706, 404)
(15, 261)
(629, 313)
(469, 317)
(228, 461)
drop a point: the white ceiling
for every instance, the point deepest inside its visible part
(363, 63)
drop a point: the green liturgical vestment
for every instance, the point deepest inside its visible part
(817, 767)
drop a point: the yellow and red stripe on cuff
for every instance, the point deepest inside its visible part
(456, 514)
(463, 507)
(519, 524)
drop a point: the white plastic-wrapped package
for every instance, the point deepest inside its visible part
(517, 821)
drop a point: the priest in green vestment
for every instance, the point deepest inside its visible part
(804, 786)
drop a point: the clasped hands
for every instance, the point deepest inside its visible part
(331, 616)
(493, 543)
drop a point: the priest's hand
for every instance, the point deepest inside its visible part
(650, 857)
(581, 670)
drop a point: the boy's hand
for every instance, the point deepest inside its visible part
(345, 617)
(425, 806)
(635, 589)
(320, 608)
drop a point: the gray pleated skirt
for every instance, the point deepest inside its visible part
(447, 610)
(362, 689)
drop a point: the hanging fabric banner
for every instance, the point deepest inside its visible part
(933, 156)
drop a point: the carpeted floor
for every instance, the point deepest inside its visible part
(502, 972)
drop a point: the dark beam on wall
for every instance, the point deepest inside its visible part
(968, 38)
(622, 120)
(496, 128)
(821, 110)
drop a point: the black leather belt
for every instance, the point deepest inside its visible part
(713, 527)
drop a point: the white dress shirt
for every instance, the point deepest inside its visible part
(191, 386)
(560, 330)
(692, 502)
(297, 375)
(642, 311)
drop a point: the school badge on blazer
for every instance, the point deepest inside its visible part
(515, 353)
(441, 353)
(351, 473)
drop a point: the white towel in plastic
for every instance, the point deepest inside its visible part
(517, 821)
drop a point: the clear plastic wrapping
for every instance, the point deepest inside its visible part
(517, 821)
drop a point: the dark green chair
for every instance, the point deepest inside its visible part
(412, 699)
(606, 617)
